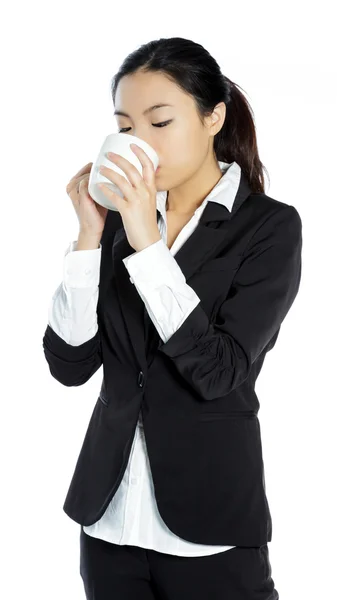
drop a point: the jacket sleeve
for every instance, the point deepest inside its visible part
(71, 365)
(71, 342)
(216, 357)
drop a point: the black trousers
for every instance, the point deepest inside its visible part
(121, 572)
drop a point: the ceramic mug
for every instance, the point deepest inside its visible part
(120, 144)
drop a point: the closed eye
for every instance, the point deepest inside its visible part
(163, 124)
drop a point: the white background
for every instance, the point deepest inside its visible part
(57, 63)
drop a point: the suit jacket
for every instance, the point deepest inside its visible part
(196, 392)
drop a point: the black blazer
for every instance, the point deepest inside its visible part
(196, 391)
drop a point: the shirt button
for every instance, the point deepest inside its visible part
(87, 271)
(134, 480)
(141, 379)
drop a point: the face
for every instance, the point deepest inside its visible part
(183, 143)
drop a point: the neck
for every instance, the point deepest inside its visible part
(179, 200)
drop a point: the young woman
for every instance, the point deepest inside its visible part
(179, 294)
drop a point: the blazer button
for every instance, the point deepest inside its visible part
(141, 379)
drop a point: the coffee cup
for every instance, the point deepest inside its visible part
(120, 144)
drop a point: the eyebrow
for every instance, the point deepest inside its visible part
(148, 110)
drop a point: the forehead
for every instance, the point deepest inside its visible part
(138, 92)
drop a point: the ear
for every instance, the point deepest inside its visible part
(217, 118)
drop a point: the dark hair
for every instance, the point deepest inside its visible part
(197, 73)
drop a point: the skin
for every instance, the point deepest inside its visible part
(189, 169)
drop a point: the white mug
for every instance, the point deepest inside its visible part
(120, 144)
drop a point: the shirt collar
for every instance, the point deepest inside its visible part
(224, 192)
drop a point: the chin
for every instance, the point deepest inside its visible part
(160, 187)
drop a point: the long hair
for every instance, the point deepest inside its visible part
(197, 73)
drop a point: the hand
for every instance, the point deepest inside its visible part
(91, 216)
(138, 207)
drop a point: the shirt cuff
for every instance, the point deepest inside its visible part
(155, 265)
(81, 268)
(162, 286)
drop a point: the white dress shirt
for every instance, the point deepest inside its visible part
(132, 516)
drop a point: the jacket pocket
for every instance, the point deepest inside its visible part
(237, 414)
(219, 264)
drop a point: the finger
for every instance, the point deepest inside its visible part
(110, 195)
(124, 185)
(84, 182)
(149, 175)
(129, 169)
(74, 184)
(84, 169)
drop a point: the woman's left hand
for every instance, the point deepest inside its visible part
(138, 208)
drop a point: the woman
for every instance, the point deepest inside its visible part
(179, 295)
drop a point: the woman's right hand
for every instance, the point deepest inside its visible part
(91, 216)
